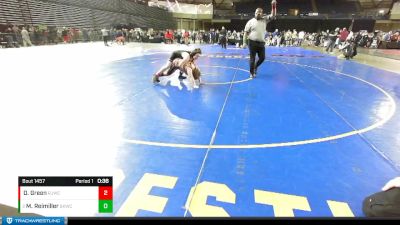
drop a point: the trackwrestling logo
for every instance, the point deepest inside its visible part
(33, 220)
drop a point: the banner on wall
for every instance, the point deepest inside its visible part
(176, 7)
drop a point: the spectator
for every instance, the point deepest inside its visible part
(25, 37)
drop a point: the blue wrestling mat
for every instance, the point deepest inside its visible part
(311, 136)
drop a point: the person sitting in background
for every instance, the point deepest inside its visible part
(385, 203)
(386, 36)
(349, 48)
(119, 37)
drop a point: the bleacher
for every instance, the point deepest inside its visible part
(58, 15)
(85, 13)
(10, 11)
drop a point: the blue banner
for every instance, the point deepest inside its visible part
(11, 220)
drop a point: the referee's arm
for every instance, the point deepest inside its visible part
(245, 35)
(272, 15)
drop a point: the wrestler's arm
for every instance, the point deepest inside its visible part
(190, 75)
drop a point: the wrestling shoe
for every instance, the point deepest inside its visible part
(155, 78)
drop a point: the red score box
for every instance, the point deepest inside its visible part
(105, 193)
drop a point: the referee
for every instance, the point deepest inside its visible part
(255, 32)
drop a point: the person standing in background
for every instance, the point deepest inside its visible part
(255, 31)
(105, 34)
(25, 37)
(223, 38)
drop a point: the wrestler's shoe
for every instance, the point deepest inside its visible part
(181, 76)
(155, 78)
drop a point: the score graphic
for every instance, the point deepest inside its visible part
(105, 199)
(65, 196)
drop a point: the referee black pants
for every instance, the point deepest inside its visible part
(256, 47)
(383, 204)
